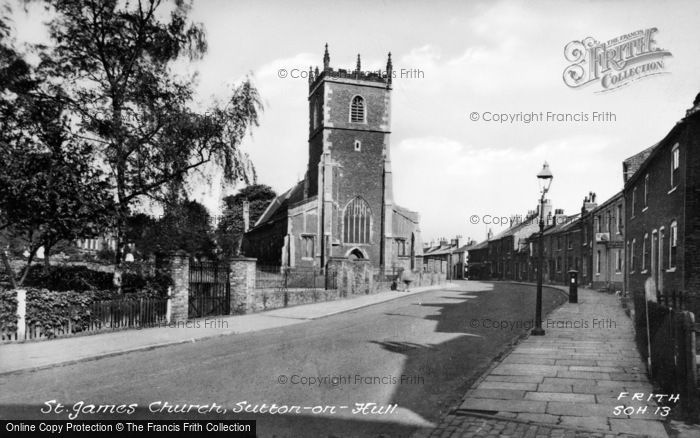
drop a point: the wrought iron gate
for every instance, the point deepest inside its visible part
(209, 292)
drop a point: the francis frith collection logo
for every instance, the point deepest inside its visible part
(616, 62)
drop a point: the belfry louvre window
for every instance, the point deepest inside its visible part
(357, 109)
(357, 222)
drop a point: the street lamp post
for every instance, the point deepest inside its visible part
(545, 180)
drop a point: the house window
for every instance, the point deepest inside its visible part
(357, 221)
(357, 110)
(597, 263)
(645, 252)
(662, 242)
(571, 242)
(618, 261)
(558, 243)
(673, 244)
(633, 256)
(609, 229)
(634, 202)
(307, 247)
(358, 145)
(646, 190)
(314, 117)
(619, 219)
(675, 164)
(629, 252)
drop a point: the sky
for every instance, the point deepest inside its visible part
(490, 57)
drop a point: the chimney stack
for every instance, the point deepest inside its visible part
(588, 203)
(696, 106)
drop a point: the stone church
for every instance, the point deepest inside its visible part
(344, 206)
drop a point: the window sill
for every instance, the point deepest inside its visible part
(671, 269)
(644, 271)
(645, 209)
(672, 190)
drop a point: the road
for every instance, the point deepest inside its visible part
(419, 353)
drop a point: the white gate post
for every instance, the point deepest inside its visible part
(21, 314)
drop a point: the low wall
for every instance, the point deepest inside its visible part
(269, 299)
(345, 279)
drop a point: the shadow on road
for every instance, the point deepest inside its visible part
(438, 374)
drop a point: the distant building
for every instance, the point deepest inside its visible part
(479, 267)
(604, 244)
(96, 244)
(344, 206)
(562, 248)
(504, 247)
(451, 257)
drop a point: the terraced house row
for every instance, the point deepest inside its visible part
(645, 237)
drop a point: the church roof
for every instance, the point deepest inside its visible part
(410, 214)
(279, 205)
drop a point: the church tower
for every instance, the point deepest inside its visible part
(349, 168)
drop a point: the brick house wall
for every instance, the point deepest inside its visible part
(671, 198)
(607, 244)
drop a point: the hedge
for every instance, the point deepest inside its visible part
(52, 310)
(82, 278)
(8, 311)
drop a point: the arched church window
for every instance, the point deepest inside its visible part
(357, 110)
(357, 221)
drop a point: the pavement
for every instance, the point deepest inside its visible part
(35, 355)
(576, 381)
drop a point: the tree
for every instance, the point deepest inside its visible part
(115, 60)
(53, 196)
(141, 231)
(48, 189)
(230, 228)
(187, 227)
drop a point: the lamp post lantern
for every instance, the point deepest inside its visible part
(544, 178)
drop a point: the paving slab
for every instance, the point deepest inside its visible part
(585, 422)
(552, 387)
(523, 359)
(495, 405)
(507, 394)
(528, 370)
(639, 427)
(508, 385)
(580, 409)
(583, 375)
(515, 379)
(560, 397)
